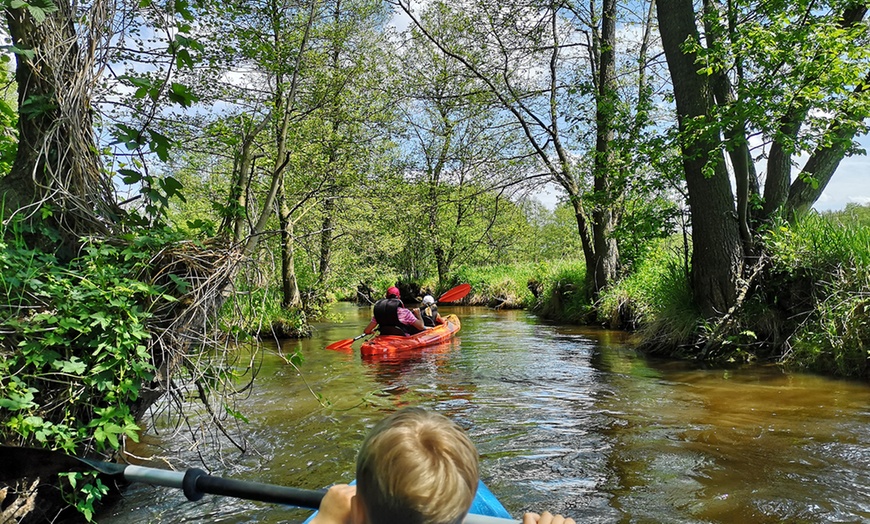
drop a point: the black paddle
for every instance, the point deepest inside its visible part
(22, 462)
(19, 462)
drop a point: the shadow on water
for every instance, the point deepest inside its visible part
(565, 418)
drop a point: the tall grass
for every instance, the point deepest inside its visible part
(656, 300)
(829, 260)
(533, 286)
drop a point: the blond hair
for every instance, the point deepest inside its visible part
(417, 467)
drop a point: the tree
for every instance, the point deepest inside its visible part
(459, 148)
(545, 63)
(56, 166)
(716, 249)
(793, 72)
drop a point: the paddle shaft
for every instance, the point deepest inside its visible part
(195, 483)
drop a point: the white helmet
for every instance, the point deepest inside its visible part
(428, 300)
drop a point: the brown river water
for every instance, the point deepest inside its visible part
(565, 418)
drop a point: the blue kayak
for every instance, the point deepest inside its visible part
(484, 504)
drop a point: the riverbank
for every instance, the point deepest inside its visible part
(803, 304)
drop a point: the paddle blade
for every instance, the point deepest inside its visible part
(457, 293)
(344, 345)
(341, 344)
(37, 462)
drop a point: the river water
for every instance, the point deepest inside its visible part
(565, 418)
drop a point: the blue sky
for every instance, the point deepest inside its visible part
(850, 184)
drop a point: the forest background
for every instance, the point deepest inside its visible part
(182, 178)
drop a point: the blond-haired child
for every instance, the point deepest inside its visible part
(414, 467)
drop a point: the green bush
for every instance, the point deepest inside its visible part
(564, 295)
(75, 345)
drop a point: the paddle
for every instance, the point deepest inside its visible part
(457, 293)
(451, 295)
(20, 462)
(346, 343)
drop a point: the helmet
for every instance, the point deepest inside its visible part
(428, 300)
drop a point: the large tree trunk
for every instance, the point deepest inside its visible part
(736, 142)
(717, 252)
(56, 162)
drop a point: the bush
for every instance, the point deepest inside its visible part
(552, 289)
(75, 344)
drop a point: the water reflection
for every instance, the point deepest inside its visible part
(565, 418)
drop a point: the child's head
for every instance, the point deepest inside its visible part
(416, 467)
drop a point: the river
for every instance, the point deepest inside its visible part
(565, 418)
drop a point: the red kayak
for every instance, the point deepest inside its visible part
(386, 344)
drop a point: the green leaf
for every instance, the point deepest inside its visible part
(172, 187)
(183, 286)
(182, 95)
(160, 144)
(38, 14)
(183, 59)
(21, 51)
(130, 176)
(73, 366)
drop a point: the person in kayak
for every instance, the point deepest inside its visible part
(414, 467)
(429, 312)
(391, 317)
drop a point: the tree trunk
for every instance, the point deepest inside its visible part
(56, 162)
(289, 285)
(717, 252)
(736, 142)
(606, 258)
(326, 227)
(776, 186)
(819, 169)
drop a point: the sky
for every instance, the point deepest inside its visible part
(849, 185)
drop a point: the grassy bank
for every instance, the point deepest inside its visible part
(807, 310)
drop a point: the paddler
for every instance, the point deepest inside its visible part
(391, 317)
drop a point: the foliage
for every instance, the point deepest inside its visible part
(551, 235)
(656, 299)
(823, 263)
(76, 344)
(8, 121)
(258, 312)
(86, 491)
(518, 285)
(563, 298)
